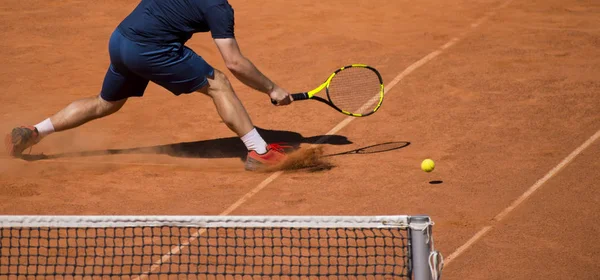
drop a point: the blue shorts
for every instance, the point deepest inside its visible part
(174, 66)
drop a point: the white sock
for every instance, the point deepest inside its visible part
(45, 128)
(254, 141)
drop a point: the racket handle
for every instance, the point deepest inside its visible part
(295, 96)
(300, 96)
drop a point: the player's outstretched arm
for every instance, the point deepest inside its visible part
(245, 71)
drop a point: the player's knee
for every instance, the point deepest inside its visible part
(218, 76)
(219, 81)
(105, 108)
(216, 84)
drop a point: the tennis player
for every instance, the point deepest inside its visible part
(149, 45)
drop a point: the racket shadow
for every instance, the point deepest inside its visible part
(373, 149)
(313, 161)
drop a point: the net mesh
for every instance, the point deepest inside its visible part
(230, 251)
(356, 90)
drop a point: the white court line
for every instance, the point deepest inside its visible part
(335, 129)
(521, 199)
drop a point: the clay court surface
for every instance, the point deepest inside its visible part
(515, 94)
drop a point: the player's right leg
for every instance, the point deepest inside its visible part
(180, 70)
(234, 115)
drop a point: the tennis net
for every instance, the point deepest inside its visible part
(217, 247)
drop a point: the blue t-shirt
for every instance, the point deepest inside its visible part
(169, 21)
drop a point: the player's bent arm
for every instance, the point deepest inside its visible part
(241, 67)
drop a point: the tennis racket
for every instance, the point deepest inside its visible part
(355, 90)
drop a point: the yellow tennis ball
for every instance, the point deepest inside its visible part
(427, 165)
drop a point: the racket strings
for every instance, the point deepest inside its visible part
(356, 90)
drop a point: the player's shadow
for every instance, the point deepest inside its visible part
(230, 147)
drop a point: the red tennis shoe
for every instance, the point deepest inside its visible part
(275, 154)
(20, 139)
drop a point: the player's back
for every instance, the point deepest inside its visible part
(168, 21)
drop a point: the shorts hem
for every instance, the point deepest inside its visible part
(203, 83)
(199, 86)
(105, 98)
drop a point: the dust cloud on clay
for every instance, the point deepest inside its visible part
(309, 159)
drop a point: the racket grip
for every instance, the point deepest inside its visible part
(300, 96)
(295, 96)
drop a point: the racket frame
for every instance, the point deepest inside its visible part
(311, 94)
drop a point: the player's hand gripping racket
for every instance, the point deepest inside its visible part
(355, 90)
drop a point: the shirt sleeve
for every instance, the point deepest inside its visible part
(221, 21)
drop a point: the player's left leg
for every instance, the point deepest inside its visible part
(84, 110)
(75, 114)
(119, 85)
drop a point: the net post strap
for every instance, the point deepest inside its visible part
(436, 264)
(435, 261)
